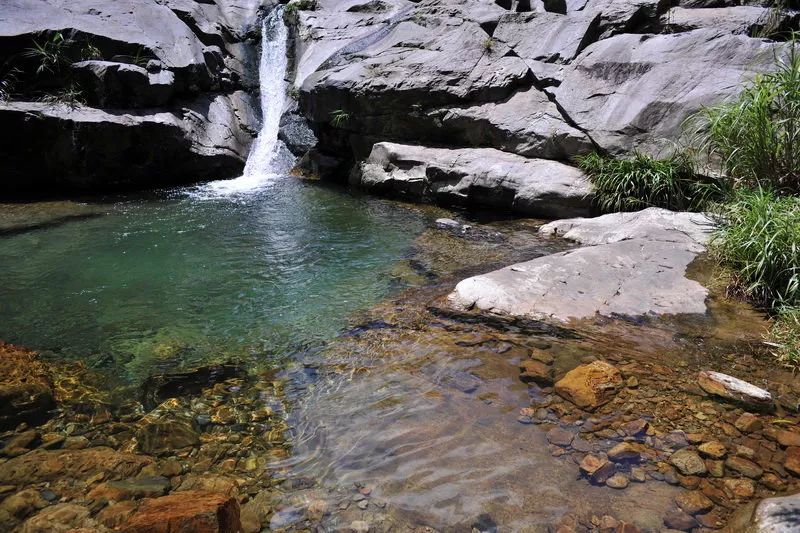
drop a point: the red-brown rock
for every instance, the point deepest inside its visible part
(187, 512)
(536, 372)
(792, 461)
(590, 386)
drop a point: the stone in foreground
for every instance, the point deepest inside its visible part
(590, 386)
(732, 388)
(189, 512)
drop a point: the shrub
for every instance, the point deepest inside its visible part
(759, 239)
(785, 336)
(757, 136)
(339, 117)
(642, 181)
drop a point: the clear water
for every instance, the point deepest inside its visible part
(182, 279)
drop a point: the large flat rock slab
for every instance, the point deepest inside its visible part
(482, 177)
(628, 278)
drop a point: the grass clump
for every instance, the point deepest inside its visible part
(757, 137)
(642, 181)
(759, 239)
(784, 339)
(339, 117)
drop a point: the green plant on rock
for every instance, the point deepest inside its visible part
(71, 95)
(642, 181)
(293, 93)
(784, 338)
(339, 117)
(51, 54)
(757, 137)
(300, 5)
(488, 44)
(759, 240)
(90, 51)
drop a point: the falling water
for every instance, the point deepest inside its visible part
(268, 158)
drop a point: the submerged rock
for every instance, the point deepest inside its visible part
(40, 466)
(26, 393)
(186, 511)
(732, 388)
(165, 435)
(590, 386)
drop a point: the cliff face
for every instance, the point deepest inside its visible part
(127, 93)
(539, 79)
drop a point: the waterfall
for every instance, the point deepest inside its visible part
(268, 158)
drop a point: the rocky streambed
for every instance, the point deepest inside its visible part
(428, 414)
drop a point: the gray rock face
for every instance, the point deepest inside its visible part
(476, 177)
(159, 88)
(778, 515)
(635, 91)
(635, 268)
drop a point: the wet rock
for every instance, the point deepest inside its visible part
(688, 462)
(628, 452)
(116, 514)
(679, 520)
(47, 465)
(560, 437)
(536, 372)
(158, 388)
(618, 481)
(59, 518)
(792, 461)
(732, 388)
(597, 469)
(638, 474)
(166, 435)
(186, 511)
(210, 483)
(740, 489)
(359, 526)
(715, 468)
(777, 515)
(26, 393)
(748, 423)
(788, 438)
(744, 467)
(636, 428)
(129, 489)
(713, 449)
(590, 386)
(694, 502)
(19, 506)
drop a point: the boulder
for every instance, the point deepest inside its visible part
(47, 465)
(629, 278)
(190, 511)
(777, 515)
(652, 224)
(481, 177)
(98, 149)
(26, 393)
(590, 386)
(636, 91)
(731, 388)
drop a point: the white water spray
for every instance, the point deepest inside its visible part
(268, 156)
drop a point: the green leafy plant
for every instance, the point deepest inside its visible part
(300, 5)
(50, 54)
(90, 51)
(784, 338)
(488, 44)
(642, 181)
(757, 137)
(339, 117)
(759, 240)
(70, 95)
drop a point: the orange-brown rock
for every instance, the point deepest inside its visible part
(187, 512)
(47, 465)
(26, 392)
(792, 461)
(788, 438)
(590, 386)
(536, 372)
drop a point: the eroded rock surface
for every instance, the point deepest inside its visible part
(636, 267)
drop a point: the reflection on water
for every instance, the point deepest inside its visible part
(170, 281)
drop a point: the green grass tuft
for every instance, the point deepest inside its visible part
(785, 336)
(642, 181)
(759, 239)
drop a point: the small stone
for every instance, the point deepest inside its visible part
(560, 437)
(359, 526)
(792, 461)
(740, 488)
(628, 451)
(694, 502)
(772, 482)
(744, 467)
(363, 504)
(635, 428)
(680, 521)
(748, 423)
(608, 523)
(745, 451)
(712, 520)
(788, 438)
(618, 481)
(688, 462)
(597, 469)
(713, 449)
(590, 385)
(533, 371)
(638, 474)
(732, 388)
(632, 382)
(715, 468)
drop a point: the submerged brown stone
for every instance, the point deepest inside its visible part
(26, 391)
